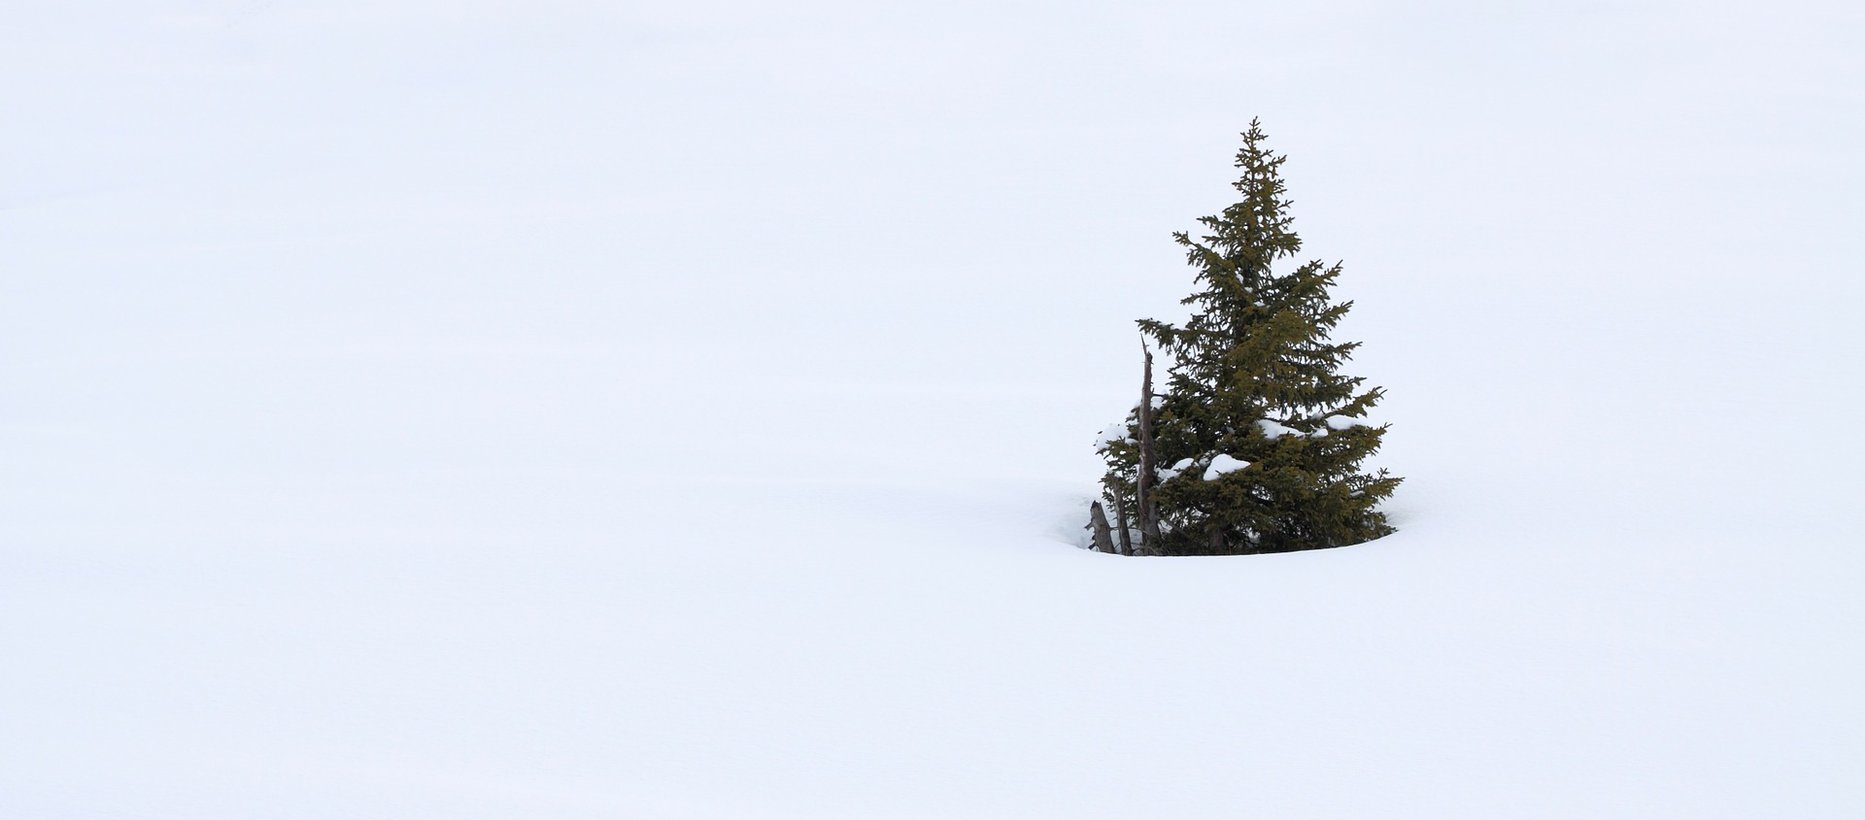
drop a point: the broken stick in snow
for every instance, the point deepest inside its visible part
(1103, 535)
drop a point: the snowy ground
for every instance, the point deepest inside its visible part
(486, 410)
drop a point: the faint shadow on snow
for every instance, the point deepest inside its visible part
(1071, 520)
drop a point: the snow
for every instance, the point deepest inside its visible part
(1275, 429)
(1221, 464)
(1343, 423)
(1173, 471)
(549, 410)
(1110, 434)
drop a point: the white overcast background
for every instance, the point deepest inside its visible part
(494, 410)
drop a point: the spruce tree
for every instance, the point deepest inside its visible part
(1259, 435)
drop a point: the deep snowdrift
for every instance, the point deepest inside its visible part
(468, 411)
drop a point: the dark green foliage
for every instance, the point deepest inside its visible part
(1255, 377)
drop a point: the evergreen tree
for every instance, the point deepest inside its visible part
(1263, 435)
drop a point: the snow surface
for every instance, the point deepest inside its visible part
(482, 409)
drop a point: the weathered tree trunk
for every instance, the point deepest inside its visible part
(1103, 536)
(1149, 520)
(1126, 533)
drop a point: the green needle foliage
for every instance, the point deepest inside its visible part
(1253, 377)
